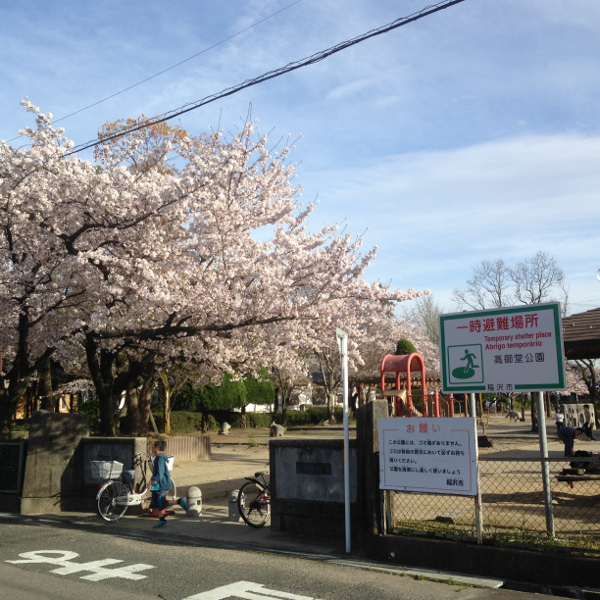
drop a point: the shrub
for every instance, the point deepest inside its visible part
(318, 414)
(296, 418)
(92, 408)
(258, 420)
(404, 347)
(183, 423)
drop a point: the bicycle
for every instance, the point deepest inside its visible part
(254, 500)
(118, 493)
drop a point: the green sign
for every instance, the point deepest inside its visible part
(504, 350)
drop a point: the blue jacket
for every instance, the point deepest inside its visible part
(160, 473)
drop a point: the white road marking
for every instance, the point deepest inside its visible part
(96, 568)
(248, 591)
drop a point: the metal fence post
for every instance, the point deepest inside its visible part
(541, 412)
(478, 500)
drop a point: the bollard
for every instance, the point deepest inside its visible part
(234, 513)
(194, 502)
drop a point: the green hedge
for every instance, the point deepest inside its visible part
(315, 415)
(183, 422)
(253, 420)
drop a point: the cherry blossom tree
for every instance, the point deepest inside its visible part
(137, 265)
(41, 291)
(373, 332)
(583, 377)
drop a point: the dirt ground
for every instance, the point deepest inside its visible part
(237, 455)
(512, 491)
(244, 452)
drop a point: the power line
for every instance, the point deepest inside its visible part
(179, 63)
(319, 56)
(172, 66)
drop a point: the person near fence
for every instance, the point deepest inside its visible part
(588, 425)
(568, 435)
(161, 484)
(559, 417)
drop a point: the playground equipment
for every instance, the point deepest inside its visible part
(408, 364)
(403, 405)
(404, 363)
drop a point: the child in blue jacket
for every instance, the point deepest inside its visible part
(161, 483)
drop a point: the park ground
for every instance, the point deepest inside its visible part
(246, 451)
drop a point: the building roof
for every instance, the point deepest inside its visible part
(581, 335)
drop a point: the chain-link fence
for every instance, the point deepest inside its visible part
(515, 508)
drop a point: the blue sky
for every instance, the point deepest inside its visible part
(472, 134)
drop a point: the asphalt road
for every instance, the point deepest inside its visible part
(46, 562)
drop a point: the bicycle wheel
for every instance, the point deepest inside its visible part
(254, 504)
(108, 508)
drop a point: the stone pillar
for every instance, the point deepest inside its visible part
(368, 464)
(53, 466)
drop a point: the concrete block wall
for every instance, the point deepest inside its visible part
(53, 465)
(574, 414)
(307, 484)
(58, 470)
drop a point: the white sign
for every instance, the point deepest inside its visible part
(97, 569)
(503, 350)
(432, 455)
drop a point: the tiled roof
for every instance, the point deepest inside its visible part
(581, 335)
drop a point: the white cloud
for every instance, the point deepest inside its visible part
(436, 215)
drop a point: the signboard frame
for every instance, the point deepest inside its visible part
(475, 340)
(434, 455)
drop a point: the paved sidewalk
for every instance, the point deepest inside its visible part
(233, 458)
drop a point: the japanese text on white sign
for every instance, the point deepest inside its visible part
(433, 455)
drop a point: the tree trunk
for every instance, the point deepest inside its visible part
(284, 404)
(101, 372)
(361, 394)
(5, 415)
(107, 408)
(331, 407)
(134, 418)
(153, 423)
(481, 414)
(164, 378)
(205, 421)
(45, 386)
(534, 415)
(144, 406)
(18, 378)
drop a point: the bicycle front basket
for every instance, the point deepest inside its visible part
(107, 469)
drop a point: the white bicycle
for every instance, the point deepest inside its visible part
(118, 491)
